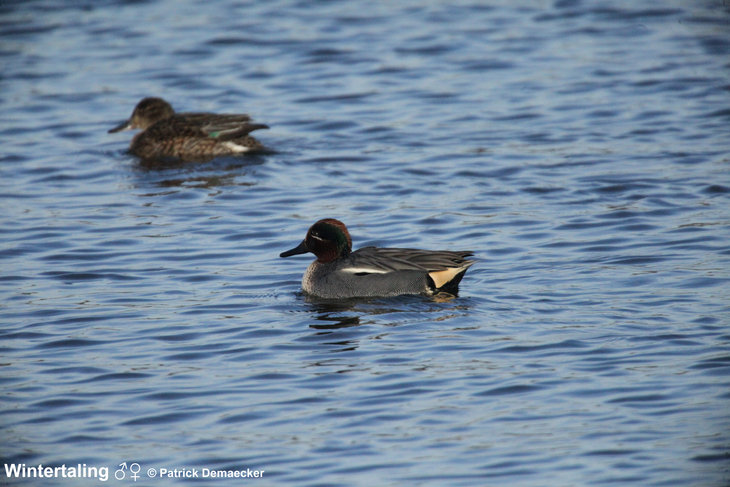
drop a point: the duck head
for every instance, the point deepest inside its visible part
(148, 111)
(328, 239)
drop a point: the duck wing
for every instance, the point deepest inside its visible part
(383, 260)
(220, 125)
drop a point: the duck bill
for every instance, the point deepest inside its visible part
(299, 249)
(126, 125)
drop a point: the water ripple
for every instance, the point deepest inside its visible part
(146, 313)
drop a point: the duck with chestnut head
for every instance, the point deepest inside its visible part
(339, 272)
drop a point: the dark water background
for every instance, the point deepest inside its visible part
(580, 148)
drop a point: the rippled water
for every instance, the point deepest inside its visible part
(580, 148)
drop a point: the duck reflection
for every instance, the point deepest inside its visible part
(330, 312)
(336, 314)
(163, 163)
(217, 173)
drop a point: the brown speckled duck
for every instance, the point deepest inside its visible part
(187, 136)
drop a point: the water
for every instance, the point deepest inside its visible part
(580, 148)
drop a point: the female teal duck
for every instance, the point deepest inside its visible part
(339, 272)
(187, 136)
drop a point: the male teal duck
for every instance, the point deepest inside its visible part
(338, 272)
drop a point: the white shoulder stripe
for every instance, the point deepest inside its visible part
(368, 270)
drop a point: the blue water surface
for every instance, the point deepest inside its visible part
(580, 148)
